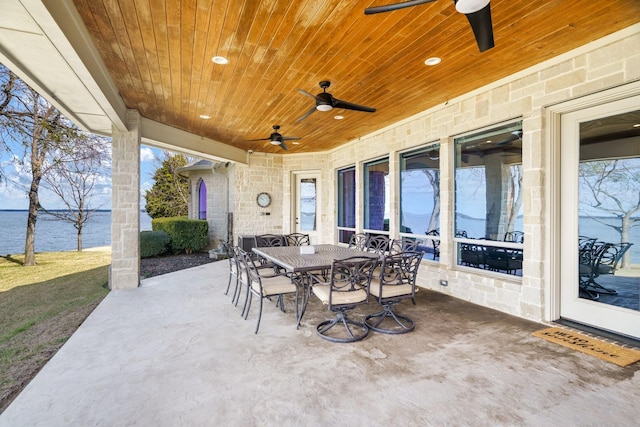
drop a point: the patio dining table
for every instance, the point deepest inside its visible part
(291, 259)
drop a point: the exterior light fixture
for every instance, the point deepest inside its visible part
(221, 60)
(433, 61)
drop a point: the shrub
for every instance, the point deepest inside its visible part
(154, 243)
(187, 235)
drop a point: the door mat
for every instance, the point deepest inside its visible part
(602, 350)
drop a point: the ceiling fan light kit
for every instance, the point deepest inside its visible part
(470, 6)
(478, 13)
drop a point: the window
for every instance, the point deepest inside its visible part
(376, 195)
(346, 204)
(488, 199)
(420, 196)
(202, 200)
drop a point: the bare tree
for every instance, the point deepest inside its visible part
(612, 187)
(74, 180)
(38, 136)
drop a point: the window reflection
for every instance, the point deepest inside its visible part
(376, 195)
(488, 199)
(420, 197)
(609, 210)
(346, 204)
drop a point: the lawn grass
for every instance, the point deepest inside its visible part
(41, 307)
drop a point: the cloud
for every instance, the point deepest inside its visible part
(147, 154)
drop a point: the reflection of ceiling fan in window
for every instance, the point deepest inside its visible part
(478, 12)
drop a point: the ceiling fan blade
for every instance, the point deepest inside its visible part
(283, 145)
(261, 139)
(350, 106)
(516, 135)
(307, 114)
(304, 92)
(482, 28)
(290, 138)
(395, 6)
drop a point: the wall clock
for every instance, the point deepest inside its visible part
(264, 200)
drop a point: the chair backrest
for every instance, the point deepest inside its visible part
(358, 241)
(378, 244)
(350, 280)
(298, 239)
(247, 271)
(514, 236)
(270, 240)
(612, 254)
(398, 270)
(404, 244)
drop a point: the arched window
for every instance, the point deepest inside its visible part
(202, 200)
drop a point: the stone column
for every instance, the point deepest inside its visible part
(125, 205)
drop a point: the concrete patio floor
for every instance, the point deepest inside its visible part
(175, 352)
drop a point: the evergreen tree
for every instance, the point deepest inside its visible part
(169, 195)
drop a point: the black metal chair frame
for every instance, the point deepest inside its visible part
(233, 265)
(359, 241)
(404, 244)
(258, 285)
(378, 244)
(298, 239)
(349, 281)
(397, 281)
(595, 259)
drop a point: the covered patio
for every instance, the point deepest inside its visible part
(175, 351)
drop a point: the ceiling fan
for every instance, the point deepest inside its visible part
(515, 135)
(326, 102)
(277, 139)
(478, 12)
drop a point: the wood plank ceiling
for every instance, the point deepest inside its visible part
(159, 53)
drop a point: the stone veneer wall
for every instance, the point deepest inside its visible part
(125, 205)
(217, 184)
(606, 63)
(262, 173)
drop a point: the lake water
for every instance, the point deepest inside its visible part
(56, 235)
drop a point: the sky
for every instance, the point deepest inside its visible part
(13, 191)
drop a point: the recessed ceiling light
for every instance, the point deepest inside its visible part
(637, 125)
(295, 143)
(220, 60)
(433, 61)
(338, 117)
(204, 116)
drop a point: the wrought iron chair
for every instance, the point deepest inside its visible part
(298, 239)
(264, 286)
(378, 244)
(268, 241)
(233, 265)
(348, 287)
(404, 244)
(397, 281)
(359, 241)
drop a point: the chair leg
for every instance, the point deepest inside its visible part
(404, 323)
(259, 316)
(341, 318)
(247, 304)
(228, 284)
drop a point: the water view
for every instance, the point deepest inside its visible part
(57, 235)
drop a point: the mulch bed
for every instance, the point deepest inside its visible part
(150, 267)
